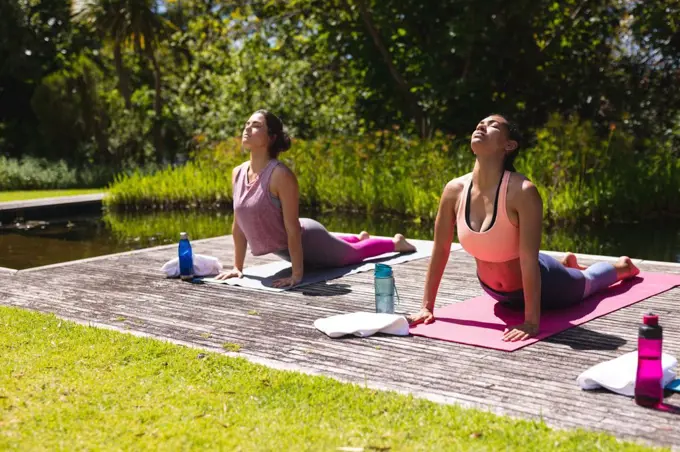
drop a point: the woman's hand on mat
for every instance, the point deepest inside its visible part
(520, 332)
(233, 273)
(287, 282)
(423, 316)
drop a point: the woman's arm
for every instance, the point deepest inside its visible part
(240, 244)
(530, 214)
(443, 236)
(284, 185)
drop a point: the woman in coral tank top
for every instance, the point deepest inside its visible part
(266, 205)
(499, 214)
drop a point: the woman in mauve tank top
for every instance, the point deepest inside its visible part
(499, 214)
(266, 212)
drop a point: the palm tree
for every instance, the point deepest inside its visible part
(125, 23)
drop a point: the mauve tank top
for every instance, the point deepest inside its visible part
(260, 219)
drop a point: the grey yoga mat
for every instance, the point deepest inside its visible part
(261, 277)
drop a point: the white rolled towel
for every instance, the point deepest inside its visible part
(203, 266)
(618, 375)
(363, 324)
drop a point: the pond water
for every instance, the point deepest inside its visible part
(42, 243)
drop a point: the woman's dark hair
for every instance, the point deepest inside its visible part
(515, 135)
(281, 141)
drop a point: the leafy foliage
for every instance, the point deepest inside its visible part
(578, 174)
(31, 173)
(125, 83)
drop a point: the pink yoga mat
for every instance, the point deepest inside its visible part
(480, 321)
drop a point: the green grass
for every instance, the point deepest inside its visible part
(581, 176)
(231, 347)
(399, 175)
(36, 194)
(69, 387)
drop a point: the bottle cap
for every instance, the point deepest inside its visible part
(383, 271)
(183, 235)
(650, 319)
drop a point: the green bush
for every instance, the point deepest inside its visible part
(33, 174)
(579, 174)
(399, 175)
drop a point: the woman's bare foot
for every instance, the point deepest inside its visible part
(401, 245)
(363, 235)
(570, 261)
(625, 268)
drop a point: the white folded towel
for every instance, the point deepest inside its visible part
(203, 266)
(363, 324)
(618, 375)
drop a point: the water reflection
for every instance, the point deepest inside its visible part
(653, 241)
(43, 243)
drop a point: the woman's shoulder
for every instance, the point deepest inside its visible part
(282, 174)
(519, 180)
(453, 190)
(455, 186)
(282, 169)
(241, 166)
(237, 169)
(521, 187)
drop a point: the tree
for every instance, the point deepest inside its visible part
(448, 63)
(36, 39)
(240, 65)
(134, 23)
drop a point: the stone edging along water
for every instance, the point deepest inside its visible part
(51, 202)
(41, 208)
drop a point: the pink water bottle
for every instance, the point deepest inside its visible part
(649, 378)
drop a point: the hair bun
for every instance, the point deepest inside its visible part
(283, 142)
(275, 129)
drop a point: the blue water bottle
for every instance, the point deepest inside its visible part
(186, 258)
(385, 289)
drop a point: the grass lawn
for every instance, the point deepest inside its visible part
(65, 386)
(35, 194)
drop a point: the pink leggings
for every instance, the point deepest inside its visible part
(320, 248)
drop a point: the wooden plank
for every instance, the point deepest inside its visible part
(128, 292)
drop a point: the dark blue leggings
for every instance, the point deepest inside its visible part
(561, 287)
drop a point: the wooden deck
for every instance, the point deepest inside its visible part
(277, 329)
